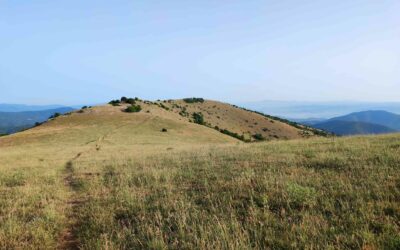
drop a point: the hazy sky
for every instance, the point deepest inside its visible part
(73, 52)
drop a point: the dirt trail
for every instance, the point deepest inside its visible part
(68, 239)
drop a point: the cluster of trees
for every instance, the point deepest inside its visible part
(124, 100)
(115, 102)
(132, 101)
(129, 100)
(193, 100)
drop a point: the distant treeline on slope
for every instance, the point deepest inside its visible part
(12, 122)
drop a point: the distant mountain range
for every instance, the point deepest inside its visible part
(11, 122)
(317, 110)
(353, 128)
(366, 122)
(379, 117)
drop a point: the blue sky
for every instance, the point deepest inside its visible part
(74, 52)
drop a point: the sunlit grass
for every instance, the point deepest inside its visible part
(338, 193)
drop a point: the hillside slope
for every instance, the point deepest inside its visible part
(113, 126)
(353, 128)
(234, 120)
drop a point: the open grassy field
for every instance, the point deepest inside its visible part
(110, 180)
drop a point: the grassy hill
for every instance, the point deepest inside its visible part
(239, 121)
(234, 124)
(353, 128)
(101, 178)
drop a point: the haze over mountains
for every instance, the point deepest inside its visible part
(17, 117)
(296, 110)
(5, 107)
(11, 122)
(366, 122)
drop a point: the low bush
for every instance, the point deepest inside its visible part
(164, 130)
(198, 118)
(133, 109)
(259, 137)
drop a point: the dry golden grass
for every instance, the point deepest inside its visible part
(104, 179)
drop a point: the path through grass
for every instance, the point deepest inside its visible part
(320, 193)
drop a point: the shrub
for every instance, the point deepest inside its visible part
(198, 118)
(124, 99)
(55, 115)
(115, 102)
(130, 101)
(233, 134)
(164, 130)
(259, 137)
(193, 100)
(133, 109)
(84, 107)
